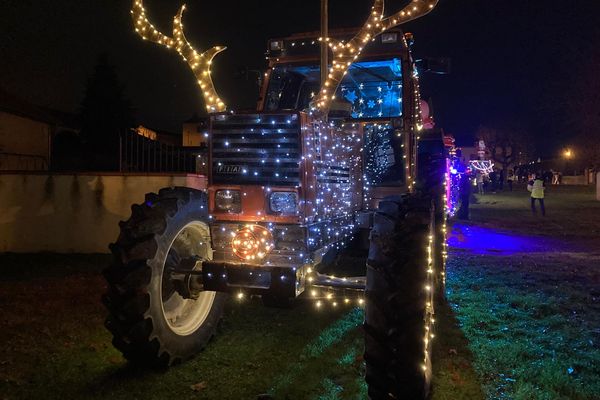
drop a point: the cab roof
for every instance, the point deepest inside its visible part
(306, 46)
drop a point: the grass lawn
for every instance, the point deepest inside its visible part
(524, 311)
(55, 346)
(526, 291)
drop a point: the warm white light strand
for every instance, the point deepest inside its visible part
(200, 63)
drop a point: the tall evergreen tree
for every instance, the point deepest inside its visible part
(105, 114)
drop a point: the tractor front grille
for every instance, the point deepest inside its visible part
(256, 149)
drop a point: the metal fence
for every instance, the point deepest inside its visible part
(22, 162)
(140, 154)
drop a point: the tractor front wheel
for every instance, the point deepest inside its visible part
(154, 318)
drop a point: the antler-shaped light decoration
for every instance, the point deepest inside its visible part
(344, 54)
(199, 63)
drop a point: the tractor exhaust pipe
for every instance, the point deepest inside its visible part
(324, 42)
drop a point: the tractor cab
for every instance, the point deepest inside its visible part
(378, 95)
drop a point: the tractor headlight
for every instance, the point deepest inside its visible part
(283, 202)
(228, 201)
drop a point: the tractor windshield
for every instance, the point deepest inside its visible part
(374, 88)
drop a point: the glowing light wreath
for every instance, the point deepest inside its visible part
(252, 242)
(483, 166)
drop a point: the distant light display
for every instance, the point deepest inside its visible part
(483, 166)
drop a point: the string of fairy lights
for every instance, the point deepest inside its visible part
(429, 304)
(199, 62)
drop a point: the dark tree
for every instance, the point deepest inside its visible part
(508, 144)
(105, 114)
(67, 152)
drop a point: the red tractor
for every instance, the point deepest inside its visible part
(332, 154)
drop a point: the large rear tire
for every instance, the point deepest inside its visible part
(151, 319)
(399, 301)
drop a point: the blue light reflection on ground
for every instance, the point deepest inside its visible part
(482, 240)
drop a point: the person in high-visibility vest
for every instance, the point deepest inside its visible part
(537, 186)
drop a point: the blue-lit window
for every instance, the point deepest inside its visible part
(373, 88)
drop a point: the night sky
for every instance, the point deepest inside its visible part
(512, 60)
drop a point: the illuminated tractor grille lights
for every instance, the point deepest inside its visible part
(259, 148)
(252, 242)
(329, 233)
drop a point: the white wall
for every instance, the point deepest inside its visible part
(73, 213)
(574, 180)
(22, 136)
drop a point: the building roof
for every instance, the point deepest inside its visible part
(195, 118)
(15, 105)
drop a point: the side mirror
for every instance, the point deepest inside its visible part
(436, 65)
